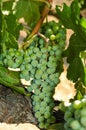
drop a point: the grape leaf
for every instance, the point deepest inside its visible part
(27, 9)
(0, 23)
(7, 5)
(70, 17)
(76, 71)
(8, 39)
(0, 27)
(13, 26)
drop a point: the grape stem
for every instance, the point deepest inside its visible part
(36, 28)
(45, 38)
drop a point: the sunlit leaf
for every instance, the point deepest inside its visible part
(27, 9)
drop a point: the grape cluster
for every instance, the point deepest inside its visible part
(41, 64)
(12, 58)
(75, 115)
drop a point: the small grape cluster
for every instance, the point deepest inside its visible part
(55, 32)
(75, 115)
(12, 58)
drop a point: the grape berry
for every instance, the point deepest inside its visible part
(75, 115)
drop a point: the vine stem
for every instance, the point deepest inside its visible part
(45, 12)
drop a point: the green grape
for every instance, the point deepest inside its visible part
(33, 57)
(44, 56)
(83, 101)
(48, 108)
(44, 76)
(37, 92)
(28, 67)
(25, 72)
(22, 67)
(52, 53)
(47, 114)
(43, 68)
(37, 114)
(49, 32)
(38, 74)
(66, 126)
(5, 61)
(50, 70)
(62, 44)
(44, 84)
(55, 29)
(53, 59)
(41, 41)
(49, 48)
(83, 121)
(36, 97)
(67, 115)
(51, 24)
(38, 81)
(41, 119)
(41, 96)
(47, 125)
(81, 128)
(58, 54)
(36, 50)
(29, 89)
(55, 47)
(77, 114)
(52, 37)
(69, 120)
(39, 54)
(77, 104)
(58, 36)
(34, 63)
(75, 125)
(29, 51)
(83, 111)
(42, 110)
(43, 50)
(42, 125)
(70, 108)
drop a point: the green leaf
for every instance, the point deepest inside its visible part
(76, 70)
(7, 5)
(83, 22)
(70, 17)
(0, 23)
(58, 126)
(8, 39)
(76, 45)
(28, 9)
(13, 26)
